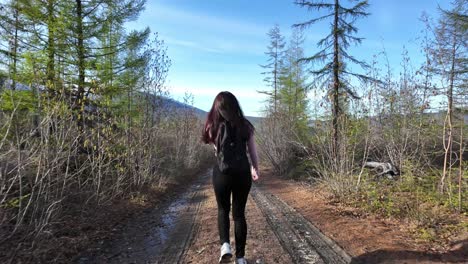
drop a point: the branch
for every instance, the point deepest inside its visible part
(312, 21)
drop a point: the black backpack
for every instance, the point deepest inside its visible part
(231, 150)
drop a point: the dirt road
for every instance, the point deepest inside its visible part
(185, 231)
(284, 221)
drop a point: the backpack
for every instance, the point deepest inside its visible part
(231, 150)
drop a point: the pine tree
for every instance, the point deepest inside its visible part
(458, 15)
(275, 54)
(78, 50)
(293, 90)
(104, 21)
(333, 54)
(45, 40)
(12, 29)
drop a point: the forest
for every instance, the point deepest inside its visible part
(86, 121)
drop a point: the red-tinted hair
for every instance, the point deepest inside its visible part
(225, 108)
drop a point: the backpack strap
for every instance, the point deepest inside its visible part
(219, 136)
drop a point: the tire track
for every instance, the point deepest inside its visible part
(303, 241)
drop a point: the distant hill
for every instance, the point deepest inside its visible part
(166, 102)
(255, 120)
(171, 103)
(174, 105)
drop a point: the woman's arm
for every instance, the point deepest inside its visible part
(253, 157)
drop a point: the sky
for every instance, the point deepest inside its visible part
(219, 45)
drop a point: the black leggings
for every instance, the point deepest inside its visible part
(239, 185)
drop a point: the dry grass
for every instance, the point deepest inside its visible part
(55, 176)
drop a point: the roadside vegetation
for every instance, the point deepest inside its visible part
(389, 143)
(85, 123)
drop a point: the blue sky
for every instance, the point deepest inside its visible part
(218, 45)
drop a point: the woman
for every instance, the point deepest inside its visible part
(226, 119)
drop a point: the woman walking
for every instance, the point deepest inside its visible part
(231, 134)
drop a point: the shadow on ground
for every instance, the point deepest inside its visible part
(460, 255)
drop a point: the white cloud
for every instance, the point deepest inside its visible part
(190, 44)
(205, 32)
(199, 20)
(218, 45)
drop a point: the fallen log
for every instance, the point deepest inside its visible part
(384, 169)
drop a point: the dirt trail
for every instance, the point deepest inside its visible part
(185, 231)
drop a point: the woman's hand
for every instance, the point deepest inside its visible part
(254, 174)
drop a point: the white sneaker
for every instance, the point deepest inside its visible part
(226, 254)
(241, 261)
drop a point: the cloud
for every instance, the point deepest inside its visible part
(191, 44)
(218, 46)
(199, 31)
(195, 20)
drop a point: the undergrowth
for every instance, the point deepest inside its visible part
(412, 199)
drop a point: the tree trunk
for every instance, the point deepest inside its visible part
(15, 49)
(460, 171)
(297, 87)
(79, 104)
(448, 126)
(336, 86)
(275, 76)
(50, 70)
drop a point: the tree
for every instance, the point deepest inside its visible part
(95, 19)
(286, 123)
(157, 68)
(10, 29)
(293, 88)
(333, 54)
(275, 54)
(450, 55)
(46, 39)
(460, 16)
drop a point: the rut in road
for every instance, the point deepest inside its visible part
(303, 241)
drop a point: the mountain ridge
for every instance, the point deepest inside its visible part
(201, 114)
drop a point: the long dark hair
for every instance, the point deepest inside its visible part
(226, 108)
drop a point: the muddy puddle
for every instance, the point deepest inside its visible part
(159, 235)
